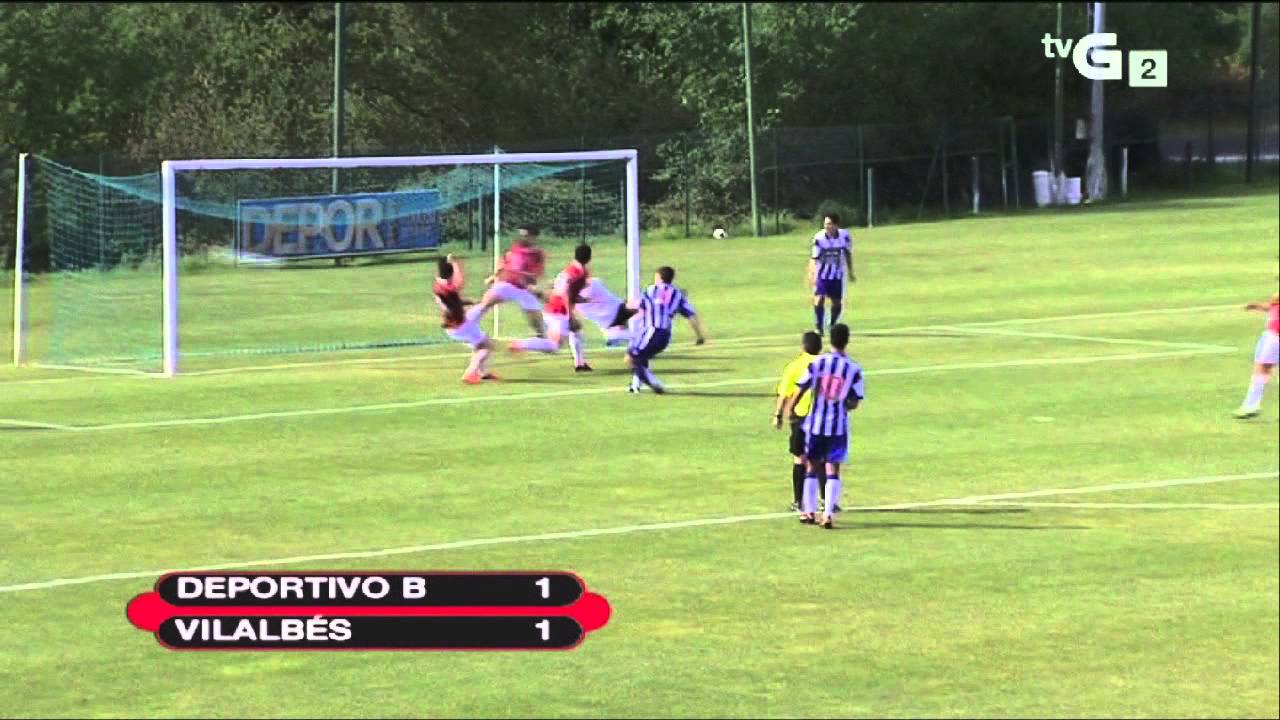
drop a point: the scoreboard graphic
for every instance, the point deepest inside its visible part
(369, 611)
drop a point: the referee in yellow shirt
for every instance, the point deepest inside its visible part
(795, 370)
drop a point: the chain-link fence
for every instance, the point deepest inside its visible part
(872, 173)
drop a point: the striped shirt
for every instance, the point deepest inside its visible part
(658, 305)
(829, 253)
(833, 378)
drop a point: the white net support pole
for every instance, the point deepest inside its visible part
(497, 229)
(169, 239)
(170, 168)
(20, 248)
(633, 227)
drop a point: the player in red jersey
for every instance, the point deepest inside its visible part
(460, 324)
(1265, 357)
(518, 271)
(558, 313)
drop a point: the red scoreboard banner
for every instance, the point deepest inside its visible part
(369, 611)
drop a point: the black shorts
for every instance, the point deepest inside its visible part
(622, 317)
(797, 438)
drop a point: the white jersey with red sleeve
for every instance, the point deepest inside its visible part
(568, 285)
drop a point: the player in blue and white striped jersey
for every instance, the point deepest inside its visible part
(836, 383)
(832, 253)
(658, 307)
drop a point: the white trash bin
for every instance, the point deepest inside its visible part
(1040, 180)
(1073, 191)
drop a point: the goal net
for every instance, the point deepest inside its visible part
(206, 259)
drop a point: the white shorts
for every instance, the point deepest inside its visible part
(468, 332)
(507, 292)
(557, 325)
(1268, 350)
(600, 313)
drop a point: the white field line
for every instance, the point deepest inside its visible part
(988, 499)
(94, 370)
(758, 343)
(714, 343)
(1123, 313)
(623, 530)
(1141, 506)
(1086, 338)
(4, 422)
(408, 404)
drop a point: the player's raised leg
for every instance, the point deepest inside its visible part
(459, 324)
(557, 331)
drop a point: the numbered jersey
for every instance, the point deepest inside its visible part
(568, 285)
(833, 379)
(829, 253)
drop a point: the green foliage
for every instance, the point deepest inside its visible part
(143, 82)
(849, 215)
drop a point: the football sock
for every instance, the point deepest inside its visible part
(797, 482)
(833, 494)
(1253, 400)
(818, 311)
(575, 344)
(810, 505)
(836, 306)
(478, 359)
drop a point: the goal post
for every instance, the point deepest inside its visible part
(20, 246)
(223, 237)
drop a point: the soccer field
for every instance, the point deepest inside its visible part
(1079, 366)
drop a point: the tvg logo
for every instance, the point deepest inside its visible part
(1147, 68)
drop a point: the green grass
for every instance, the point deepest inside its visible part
(947, 610)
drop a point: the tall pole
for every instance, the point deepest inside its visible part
(1250, 144)
(338, 62)
(751, 131)
(1057, 104)
(19, 257)
(1097, 169)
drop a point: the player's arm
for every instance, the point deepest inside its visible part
(458, 278)
(576, 288)
(784, 390)
(811, 273)
(848, 260)
(856, 393)
(695, 321)
(1260, 307)
(778, 413)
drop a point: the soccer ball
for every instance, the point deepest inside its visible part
(719, 234)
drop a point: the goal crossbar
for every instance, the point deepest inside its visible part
(169, 211)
